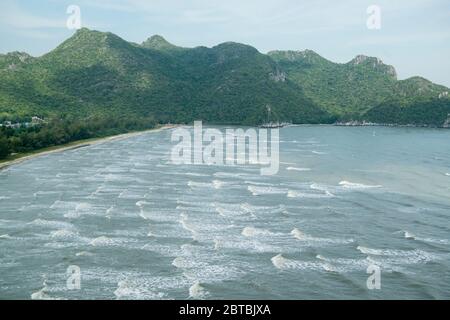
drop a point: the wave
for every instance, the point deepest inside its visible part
(5, 236)
(297, 169)
(184, 223)
(194, 174)
(233, 175)
(42, 293)
(252, 232)
(352, 185)
(194, 184)
(81, 208)
(142, 203)
(109, 211)
(52, 224)
(38, 193)
(128, 289)
(255, 183)
(378, 252)
(180, 262)
(343, 265)
(84, 254)
(259, 190)
(102, 241)
(196, 291)
(283, 263)
(217, 244)
(63, 234)
(280, 262)
(299, 235)
(409, 235)
(447, 174)
(253, 209)
(318, 152)
(217, 184)
(416, 254)
(299, 194)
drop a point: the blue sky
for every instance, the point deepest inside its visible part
(414, 34)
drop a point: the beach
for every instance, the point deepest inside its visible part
(76, 145)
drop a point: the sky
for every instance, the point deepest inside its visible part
(413, 35)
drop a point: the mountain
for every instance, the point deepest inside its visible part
(351, 89)
(98, 74)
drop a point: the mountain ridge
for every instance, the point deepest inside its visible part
(227, 83)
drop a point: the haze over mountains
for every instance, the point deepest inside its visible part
(97, 73)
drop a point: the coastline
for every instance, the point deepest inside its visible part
(76, 145)
(394, 125)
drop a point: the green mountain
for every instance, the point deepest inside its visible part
(97, 74)
(351, 89)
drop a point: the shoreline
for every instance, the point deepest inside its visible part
(393, 125)
(77, 145)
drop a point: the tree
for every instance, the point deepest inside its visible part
(4, 147)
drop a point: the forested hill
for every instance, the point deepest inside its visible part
(97, 74)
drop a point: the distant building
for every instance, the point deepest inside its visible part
(36, 120)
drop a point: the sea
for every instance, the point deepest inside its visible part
(353, 213)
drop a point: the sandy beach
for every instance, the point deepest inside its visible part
(76, 145)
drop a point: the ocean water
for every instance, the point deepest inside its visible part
(139, 227)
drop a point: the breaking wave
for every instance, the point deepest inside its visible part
(352, 185)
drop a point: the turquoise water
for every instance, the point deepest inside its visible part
(139, 227)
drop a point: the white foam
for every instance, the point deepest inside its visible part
(259, 190)
(63, 234)
(132, 289)
(299, 194)
(256, 183)
(352, 185)
(194, 184)
(196, 291)
(252, 232)
(298, 169)
(81, 208)
(280, 262)
(184, 223)
(142, 203)
(194, 174)
(447, 174)
(84, 254)
(108, 213)
(283, 263)
(299, 235)
(399, 255)
(5, 236)
(42, 293)
(343, 265)
(102, 241)
(409, 235)
(217, 184)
